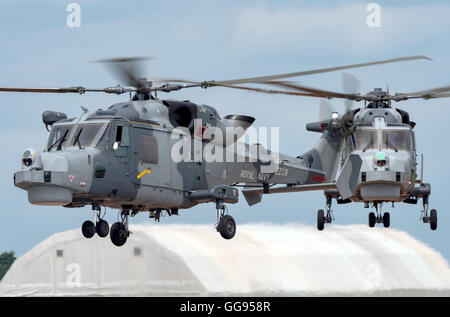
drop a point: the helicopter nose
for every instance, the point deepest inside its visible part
(49, 195)
(55, 162)
(52, 182)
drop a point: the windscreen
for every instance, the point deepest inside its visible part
(365, 139)
(397, 140)
(91, 135)
(58, 137)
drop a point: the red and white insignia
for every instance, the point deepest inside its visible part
(71, 177)
(234, 192)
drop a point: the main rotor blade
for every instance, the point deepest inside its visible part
(319, 92)
(440, 92)
(127, 69)
(77, 90)
(447, 95)
(316, 71)
(260, 90)
(125, 59)
(264, 79)
(271, 91)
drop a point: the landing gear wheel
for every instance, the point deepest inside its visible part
(433, 219)
(386, 220)
(227, 227)
(320, 220)
(88, 229)
(118, 234)
(102, 228)
(372, 220)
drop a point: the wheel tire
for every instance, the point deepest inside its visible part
(386, 220)
(320, 220)
(116, 238)
(372, 220)
(227, 227)
(88, 229)
(433, 219)
(102, 228)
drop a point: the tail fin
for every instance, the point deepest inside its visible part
(324, 155)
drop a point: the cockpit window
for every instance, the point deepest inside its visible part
(58, 137)
(89, 135)
(103, 143)
(365, 139)
(122, 141)
(397, 140)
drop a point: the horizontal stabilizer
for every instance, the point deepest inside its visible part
(252, 199)
(290, 189)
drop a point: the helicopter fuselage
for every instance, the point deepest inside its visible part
(121, 160)
(380, 163)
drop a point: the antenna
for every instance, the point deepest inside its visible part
(421, 168)
(387, 93)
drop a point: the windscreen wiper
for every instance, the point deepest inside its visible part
(388, 143)
(60, 141)
(77, 139)
(368, 144)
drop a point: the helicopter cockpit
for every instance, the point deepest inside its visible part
(397, 139)
(58, 137)
(81, 136)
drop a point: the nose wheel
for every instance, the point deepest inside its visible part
(101, 227)
(385, 219)
(88, 229)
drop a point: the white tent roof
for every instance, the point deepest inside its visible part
(262, 259)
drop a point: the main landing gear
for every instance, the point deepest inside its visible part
(225, 225)
(100, 227)
(378, 218)
(432, 218)
(321, 218)
(119, 230)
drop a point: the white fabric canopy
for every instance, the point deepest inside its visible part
(262, 259)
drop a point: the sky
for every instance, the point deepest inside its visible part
(203, 40)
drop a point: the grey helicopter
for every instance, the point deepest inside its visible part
(122, 157)
(371, 153)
